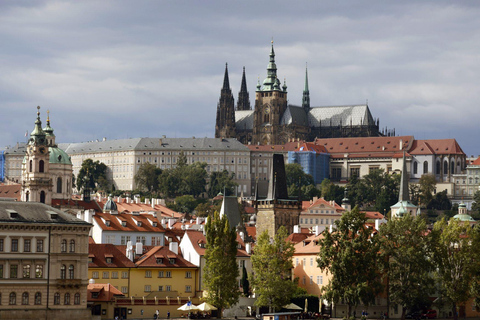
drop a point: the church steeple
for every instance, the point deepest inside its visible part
(306, 92)
(271, 83)
(50, 136)
(225, 123)
(243, 102)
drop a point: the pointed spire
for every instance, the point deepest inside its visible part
(38, 135)
(271, 83)
(404, 195)
(306, 92)
(243, 97)
(48, 130)
(226, 82)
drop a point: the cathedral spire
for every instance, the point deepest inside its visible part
(243, 102)
(226, 82)
(271, 83)
(38, 135)
(306, 92)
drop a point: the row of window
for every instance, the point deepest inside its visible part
(37, 300)
(148, 288)
(25, 269)
(27, 245)
(106, 275)
(148, 274)
(319, 280)
(327, 221)
(304, 262)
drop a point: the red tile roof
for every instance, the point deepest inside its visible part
(77, 204)
(289, 146)
(150, 259)
(310, 146)
(365, 146)
(307, 204)
(438, 146)
(10, 191)
(142, 207)
(128, 222)
(106, 292)
(197, 238)
(476, 162)
(98, 251)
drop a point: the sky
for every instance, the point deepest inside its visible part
(129, 69)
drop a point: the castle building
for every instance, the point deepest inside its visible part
(46, 169)
(274, 121)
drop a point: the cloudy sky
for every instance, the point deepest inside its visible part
(125, 69)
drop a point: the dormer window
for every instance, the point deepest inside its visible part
(107, 223)
(94, 295)
(139, 223)
(108, 260)
(171, 260)
(159, 260)
(124, 223)
(154, 224)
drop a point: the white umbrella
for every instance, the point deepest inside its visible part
(206, 307)
(292, 306)
(188, 307)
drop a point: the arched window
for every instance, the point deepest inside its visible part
(56, 298)
(38, 298)
(76, 299)
(415, 167)
(66, 300)
(39, 271)
(63, 272)
(452, 167)
(26, 271)
(12, 298)
(72, 245)
(41, 166)
(25, 298)
(63, 246)
(445, 167)
(71, 272)
(438, 167)
(59, 185)
(425, 167)
(42, 196)
(31, 165)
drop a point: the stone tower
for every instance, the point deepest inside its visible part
(37, 184)
(270, 104)
(277, 209)
(225, 123)
(243, 102)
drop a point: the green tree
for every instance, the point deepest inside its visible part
(476, 203)
(221, 269)
(427, 185)
(330, 191)
(296, 175)
(92, 175)
(272, 264)
(406, 253)
(183, 179)
(457, 261)
(440, 201)
(186, 203)
(206, 209)
(245, 282)
(220, 181)
(349, 253)
(147, 177)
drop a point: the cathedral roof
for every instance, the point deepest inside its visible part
(295, 115)
(355, 115)
(436, 146)
(244, 119)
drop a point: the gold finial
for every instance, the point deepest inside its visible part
(38, 111)
(272, 40)
(48, 115)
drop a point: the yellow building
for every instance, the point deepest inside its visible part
(154, 278)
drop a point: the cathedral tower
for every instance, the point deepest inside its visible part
(243, 102)
(270, 104)
(225, 123)
(37, 184)
(306, 93)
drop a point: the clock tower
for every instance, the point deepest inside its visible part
(37, 183)
(270, 105)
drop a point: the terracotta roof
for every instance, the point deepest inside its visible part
(98, 252)
(476, 162)
(308, 246)
(128, 222)
(106, 292)
(10, 191)
(289, 146)
(310, 146)
(149, 259)
(77, 204)
(163, 211)
(366, 145)
(437, 146)
(307, 204)
(373, 215)
(252, 231)
(197, 238)
(298, 237)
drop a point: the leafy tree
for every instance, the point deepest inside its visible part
(406, 253)
(245, 282)
(476, 203)
(186, 203)
(440, 202)
(220, 181)
(207, 209)
(296, 175)
(183, 179)
(92, 175)
(221, 270)
(330, 191)
(349, 253)
(457, 261)
(272, 264)
(427, 185)
(147, 177)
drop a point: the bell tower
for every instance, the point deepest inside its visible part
(270, 104)
(37, 184)
(225, 123)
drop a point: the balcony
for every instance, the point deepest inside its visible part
(68, 283)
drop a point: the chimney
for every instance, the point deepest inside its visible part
(139, 248)
(154, 203)
(147, 201)
(242, 235)
(319, 229)
(401, 145)
(248, 247)
(173, 246)
(296, 228)
(129, 251)
(170, 223)
(315, 199)
(127, 199)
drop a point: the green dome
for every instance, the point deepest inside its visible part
(57, 155)
(463, 217)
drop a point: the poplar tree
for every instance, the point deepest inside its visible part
(221, 269)
(349, 253)
(272, 264)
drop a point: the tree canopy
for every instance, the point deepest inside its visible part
(272, 264)
(349, 253)
(221, 269)
(146, 177)
(92, 175)
(220, 181)
(407, 264)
